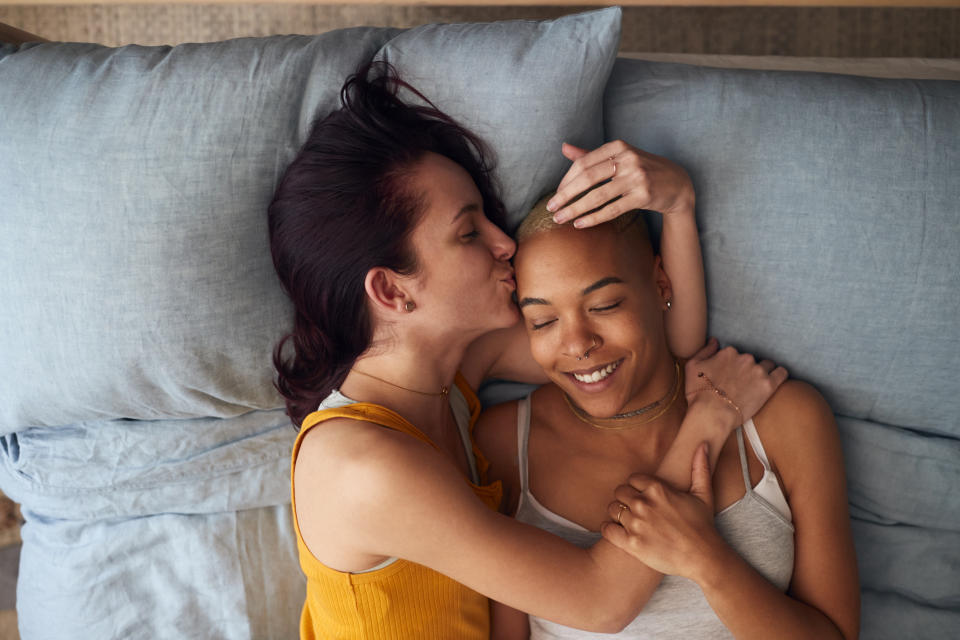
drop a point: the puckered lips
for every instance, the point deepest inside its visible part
(510, 281)
(594, 379)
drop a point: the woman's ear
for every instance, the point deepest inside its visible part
(662, 282)
(385, 290)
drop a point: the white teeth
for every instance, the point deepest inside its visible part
(597, 375)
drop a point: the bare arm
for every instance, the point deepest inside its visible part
(709, 419)
(686, 319)
(392, 495)
(823, 600)
(673, 532)
(503, 354)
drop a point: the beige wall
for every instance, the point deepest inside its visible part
(792, 31)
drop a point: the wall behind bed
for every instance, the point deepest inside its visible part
(851, 31)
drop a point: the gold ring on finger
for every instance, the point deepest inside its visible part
(623, 508)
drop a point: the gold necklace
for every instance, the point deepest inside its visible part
(624, 420)
(443, 389)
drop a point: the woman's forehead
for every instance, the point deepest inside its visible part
(567, 255)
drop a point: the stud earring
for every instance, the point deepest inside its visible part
(410, 305)
(669, 304)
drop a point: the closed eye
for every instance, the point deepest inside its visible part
(467, 237)
(608, 307)
(540, 325)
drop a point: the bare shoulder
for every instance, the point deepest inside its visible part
(795, 410)
(352, 479)
(358, 458)
(799, 433)
(343, 462)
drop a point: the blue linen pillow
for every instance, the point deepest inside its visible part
(135, 207)
(827, 210)
(524, 87)
(138, 182)
(137, 275)
(828, 215)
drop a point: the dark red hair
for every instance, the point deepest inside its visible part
(342, 208)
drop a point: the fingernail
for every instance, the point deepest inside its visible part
(552, 205)
(578, 223)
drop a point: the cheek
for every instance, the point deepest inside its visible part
(541, 349)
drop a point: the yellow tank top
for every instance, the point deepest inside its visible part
(403, 599)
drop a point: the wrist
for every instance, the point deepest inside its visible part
(683, 209)
(714, 410)
(709, 572)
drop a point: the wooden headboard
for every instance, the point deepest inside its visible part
(13, 35)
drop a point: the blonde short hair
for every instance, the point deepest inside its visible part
(540, 219)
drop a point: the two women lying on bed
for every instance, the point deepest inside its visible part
(386, 233)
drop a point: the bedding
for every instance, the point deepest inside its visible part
(830, 238)
(140, 428)
(138, 423)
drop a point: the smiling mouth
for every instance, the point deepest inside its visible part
(595, 375)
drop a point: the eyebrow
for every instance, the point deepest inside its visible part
(599, 284)
(468, 208)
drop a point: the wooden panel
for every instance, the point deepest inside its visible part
(845, 32)
(12, 35)
(594, 3)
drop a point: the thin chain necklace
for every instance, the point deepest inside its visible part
(443, 389)
(622, 421)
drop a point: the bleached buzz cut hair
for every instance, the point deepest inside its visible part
(540, 219)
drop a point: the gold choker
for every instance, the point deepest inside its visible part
(626, 420)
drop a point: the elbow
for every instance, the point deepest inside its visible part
(614, 624)
(608, 617)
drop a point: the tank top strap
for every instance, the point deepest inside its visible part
(367, 412)
(523, 441)
(744, 465)
(751, 430)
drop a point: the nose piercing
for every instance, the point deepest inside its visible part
(594, 344)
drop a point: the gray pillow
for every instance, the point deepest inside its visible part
(524, 87)
(827, 208)
(137, 278)
(828, 212)
(136, 283)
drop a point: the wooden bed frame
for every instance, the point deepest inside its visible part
(12, 35)
(566, 3)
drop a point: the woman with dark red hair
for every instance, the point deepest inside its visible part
(386, 233)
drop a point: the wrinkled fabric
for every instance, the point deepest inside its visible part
(827, 208)
(221, 575)
(139, 425)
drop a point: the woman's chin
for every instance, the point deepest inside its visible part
(599, 400)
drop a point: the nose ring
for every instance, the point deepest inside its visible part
(593, 345)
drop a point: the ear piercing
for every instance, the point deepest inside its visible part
(410, 305)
